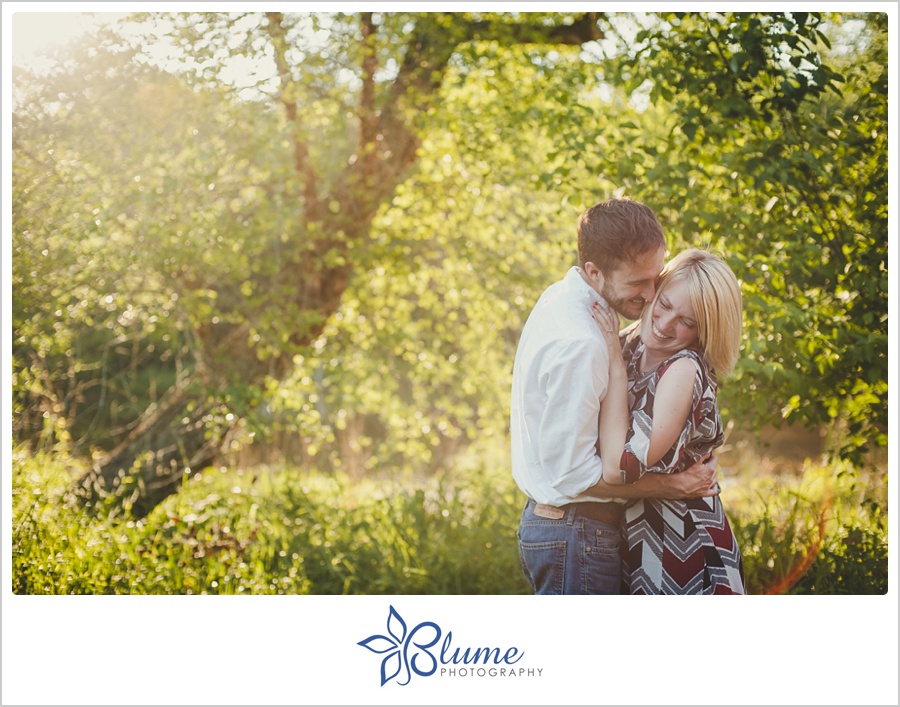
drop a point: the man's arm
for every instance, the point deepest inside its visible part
(694, 482)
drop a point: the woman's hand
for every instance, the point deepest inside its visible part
(608, 321)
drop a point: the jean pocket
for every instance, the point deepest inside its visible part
(606, 541)
(544, 564)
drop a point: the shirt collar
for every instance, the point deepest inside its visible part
(578, 284)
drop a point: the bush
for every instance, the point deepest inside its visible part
(821, 532)
(296, 532)
(229, 532)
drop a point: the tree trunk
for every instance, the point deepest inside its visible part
(173, 436)
(170, 440)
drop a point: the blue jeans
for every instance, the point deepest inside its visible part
(572, 555)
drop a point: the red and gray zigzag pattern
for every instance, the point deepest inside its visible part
(676, 547)
(680, 547)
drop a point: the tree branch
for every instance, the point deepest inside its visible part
(428, 53)
(286, 94)
(584, 29)
(389, 139)
(368, 128)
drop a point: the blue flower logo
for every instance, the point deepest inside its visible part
(402, 654)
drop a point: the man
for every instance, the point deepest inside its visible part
(569, 530)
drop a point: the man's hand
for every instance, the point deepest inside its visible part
(694, 482)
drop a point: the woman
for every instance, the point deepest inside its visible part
(660, 415)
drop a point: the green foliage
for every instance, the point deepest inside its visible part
(139, 213)
(852, 564)
(821, 532)
(399, 377)
(258, 531)
(261, 532)
(752, 144)
(195, 212)
(161, 229)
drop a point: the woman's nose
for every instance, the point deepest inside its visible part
(663, 321)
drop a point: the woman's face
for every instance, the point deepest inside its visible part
(672, 324)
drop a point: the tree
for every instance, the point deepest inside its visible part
(118, 204)
(352, 242)
(385, 73)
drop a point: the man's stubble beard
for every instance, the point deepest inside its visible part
(629, 309)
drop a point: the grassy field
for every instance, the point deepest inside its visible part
(817, 529)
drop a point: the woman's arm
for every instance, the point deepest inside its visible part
(614, 420)
(614, 417)
(671, 407)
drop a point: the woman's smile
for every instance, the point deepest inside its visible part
(671, 325)
(657, 333)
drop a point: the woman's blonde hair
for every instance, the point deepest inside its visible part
(716, 298)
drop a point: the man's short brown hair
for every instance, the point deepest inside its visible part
(616, 232)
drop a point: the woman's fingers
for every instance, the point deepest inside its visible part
(604, 317)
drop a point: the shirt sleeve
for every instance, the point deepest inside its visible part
(573, 381)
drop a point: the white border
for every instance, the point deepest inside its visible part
(302, 650)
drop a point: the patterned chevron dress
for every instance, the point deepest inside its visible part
(675, 547)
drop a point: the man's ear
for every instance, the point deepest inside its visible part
(593, 273)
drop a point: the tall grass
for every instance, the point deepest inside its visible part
(822, 530)
(288, 532)
(295, 532)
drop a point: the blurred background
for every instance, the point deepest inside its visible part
(269, 271)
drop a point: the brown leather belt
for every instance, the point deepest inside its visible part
(604, 511)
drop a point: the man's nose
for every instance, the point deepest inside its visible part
(648, 292)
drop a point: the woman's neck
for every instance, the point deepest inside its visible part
(649, 361)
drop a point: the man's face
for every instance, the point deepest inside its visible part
(630, 286)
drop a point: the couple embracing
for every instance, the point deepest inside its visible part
(612, 432)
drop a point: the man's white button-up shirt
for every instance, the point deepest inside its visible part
(560, 377)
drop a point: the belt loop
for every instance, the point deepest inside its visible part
(570, 517)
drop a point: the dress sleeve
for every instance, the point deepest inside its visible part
(681, 454)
